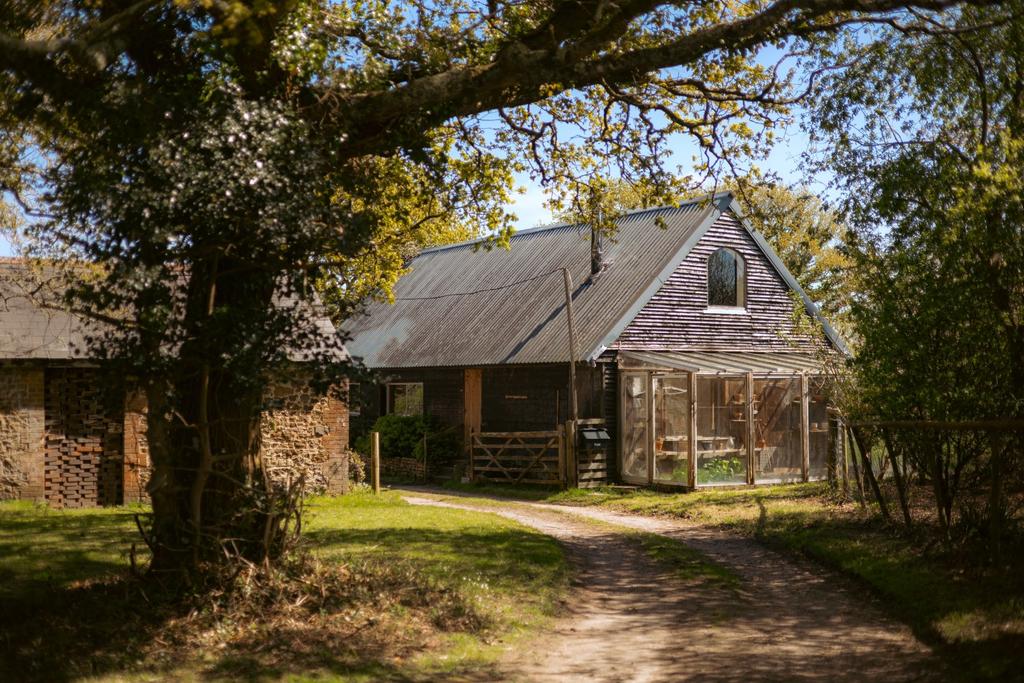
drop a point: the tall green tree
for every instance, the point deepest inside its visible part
(925, 132)
(217, 158)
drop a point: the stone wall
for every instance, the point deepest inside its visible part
(305, 434)
(63, 441)
(22, 432)
(302, 434)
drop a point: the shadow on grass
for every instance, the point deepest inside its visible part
(43, 550)
(402, 599)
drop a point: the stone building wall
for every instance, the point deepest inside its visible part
(22, 432)
(304, 434)
(63, 441)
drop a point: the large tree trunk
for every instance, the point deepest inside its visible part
(211, 500)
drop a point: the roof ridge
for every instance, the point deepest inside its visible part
(710, 198)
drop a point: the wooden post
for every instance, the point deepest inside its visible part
(570, 475)
(751, 431)
(844, 465)
(570, 446)
(693, 431)
(375, 461)
(805, 427)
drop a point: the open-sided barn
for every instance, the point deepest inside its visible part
(686, 353)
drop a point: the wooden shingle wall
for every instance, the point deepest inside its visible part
(676, 318)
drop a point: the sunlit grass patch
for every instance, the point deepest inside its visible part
(396, 592)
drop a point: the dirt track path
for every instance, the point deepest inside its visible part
(629, 619)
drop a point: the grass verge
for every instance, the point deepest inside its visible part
(424, 594)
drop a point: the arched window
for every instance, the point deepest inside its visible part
(726, 281)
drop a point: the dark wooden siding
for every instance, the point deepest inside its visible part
(676, 318)
(610, 413)
(535, 397)
(442, 396)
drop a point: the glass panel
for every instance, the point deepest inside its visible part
(722, 272)
(818, 428)
(672, 429)
(634, 426)
(406, 399)
(778, 456)
(721, 430)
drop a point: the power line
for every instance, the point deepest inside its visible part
(478, 291)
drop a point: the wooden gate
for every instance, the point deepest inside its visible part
(518, 457)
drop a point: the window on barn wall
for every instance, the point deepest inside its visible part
(778, 455)
(726, 279)
(817, 428)
(721, 430)
(405, 398)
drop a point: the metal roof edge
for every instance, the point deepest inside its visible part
(714, 211)
(782, 270)
(715, 198)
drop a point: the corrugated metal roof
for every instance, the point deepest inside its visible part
(526, 322)
(777, 363)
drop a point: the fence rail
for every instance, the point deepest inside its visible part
(518, 457)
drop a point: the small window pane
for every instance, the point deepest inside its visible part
(634, 426)
(778, 452)
(405, 399)
(817, 417)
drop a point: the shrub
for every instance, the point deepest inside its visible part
(401, 436)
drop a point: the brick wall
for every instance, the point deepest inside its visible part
(84, 457)
(22, 432)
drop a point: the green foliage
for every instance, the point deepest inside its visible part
(217, 164)
(402, 436)
(925, 132)
(720, 469)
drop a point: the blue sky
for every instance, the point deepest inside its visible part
(784, 160)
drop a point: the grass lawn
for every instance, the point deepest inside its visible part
(974, 617)
(429, 593)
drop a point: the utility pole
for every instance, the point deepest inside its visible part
(573, 411)
(570, 468)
